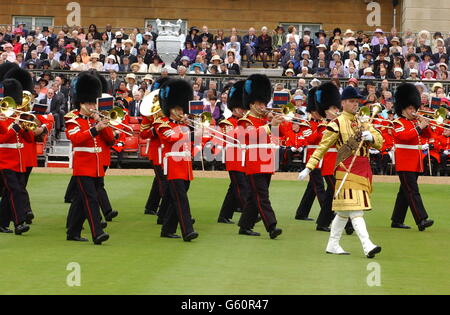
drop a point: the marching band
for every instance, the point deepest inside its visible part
(336, 141)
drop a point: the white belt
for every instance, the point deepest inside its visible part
(312, 146)
(243, 147)
(407, 146)
(11, 146)
(174, 154)
(263, 146)
(235, 146)
(88, 150)
(332, 150)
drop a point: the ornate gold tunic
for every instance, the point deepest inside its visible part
(355, 194)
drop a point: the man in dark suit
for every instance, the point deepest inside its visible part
(56, 108)
(113, 82)
(440, 54)
(378, 48)
(206, 33)
(135, 105)
(109, 32)
(125, 66)
(34, 58)
(47, 37)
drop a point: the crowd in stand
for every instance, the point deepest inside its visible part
(342, 56)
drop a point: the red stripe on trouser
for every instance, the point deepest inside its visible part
(180, 212)
(91, 219)
(409, 196)
(13, 206)
(258, 200)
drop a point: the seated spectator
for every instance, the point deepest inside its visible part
(352, 59)
(292, 32)
(278, 40)
(368, 74)
(307, 56)
(156, 65)
(135, 67)
(181, 71)
(189, 51)
(56, 108)
(398, 74)
(289, 73)
(249, 43)
(220, 50)
(125, 66)
(143, 67)
(232, 66)
(264, 46)
(94, 62)
(135, 105)
(20, 61)
(10, 54)
(292, 57)
(210, 105)
(111, 64)
(305, 73)
(413, 75)
(220, 36)
(395, 48)
(429, 75)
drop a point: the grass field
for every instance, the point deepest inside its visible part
(137, 261)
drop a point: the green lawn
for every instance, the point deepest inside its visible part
(137, 261)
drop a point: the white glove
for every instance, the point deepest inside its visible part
(300, 149)
(446, 152)
(425, 147)
(120, 144)
(367, 136)
(303, 174)
(373, 151)
(293, 149)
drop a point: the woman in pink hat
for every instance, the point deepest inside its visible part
(11, 55)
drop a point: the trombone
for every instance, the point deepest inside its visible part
(115, 117)
(288, 113)
(8, 108)
(438, 117)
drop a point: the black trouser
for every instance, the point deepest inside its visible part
(159, 192)
(13, 204)
(85, 206)
(25, 179)
(326, 214)
(443, 165)
(258, 201)
(385, 160)
(376, 163)
(409, 196)
(315, 188)
(236, 196)
(103, 199)
(71, 190)
(179, 210)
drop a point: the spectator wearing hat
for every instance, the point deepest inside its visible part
(442, 71)
(413, 75)
(307, 56)
(395, 46)
(426, 62)
(94, 62)
(249, 43)
(36, 61)
(10, 55)
(398, 74)
(368, 74)
(193, 36)
(352, 57)
(110, 64)
(348, 35)
(428, 75)
(131, 86)
(264, 46)
(278, 40)
(319, 34)
(148, 39)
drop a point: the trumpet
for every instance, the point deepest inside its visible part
(436, 118)
(8, 108)
(115, 117)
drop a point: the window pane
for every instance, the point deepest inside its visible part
(43, 21)
(155, 29)
(23, 19)
(313, 27)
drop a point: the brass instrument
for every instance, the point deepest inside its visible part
(150, 106)
(8, 108)
(435, 118)
(288, 113)
(115, 118)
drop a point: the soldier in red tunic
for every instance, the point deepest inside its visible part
(12, 167)
(260, 161)
(238, 189)
(175, 136)
(445, 151)
(408, 130)
(89, 135)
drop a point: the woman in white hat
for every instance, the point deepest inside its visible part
(352, 58)
(368, 74)
(413, 75)
(110, 64)
(398, 73)
(94, 62)
(428, 75)
(347, 36)
(130, 79)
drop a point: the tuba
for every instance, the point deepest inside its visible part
(150, 106)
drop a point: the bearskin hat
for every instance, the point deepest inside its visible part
(175, 92)
(88, 88)
(406, 95)
(102, 80)
(13, 88)
(21, 75)
(326, 96)
(235, 95)
(5, 67)
(257, 88)
(159, 83)
(311, 105)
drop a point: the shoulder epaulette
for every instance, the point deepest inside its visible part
(164, 124)
(73, 121)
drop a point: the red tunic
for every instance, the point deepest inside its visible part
(88, 146)
(234, 153)
(148, 131)
(408, 151)
(12, 147)
(177, 153)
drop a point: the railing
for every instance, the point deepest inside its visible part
(222, 81)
